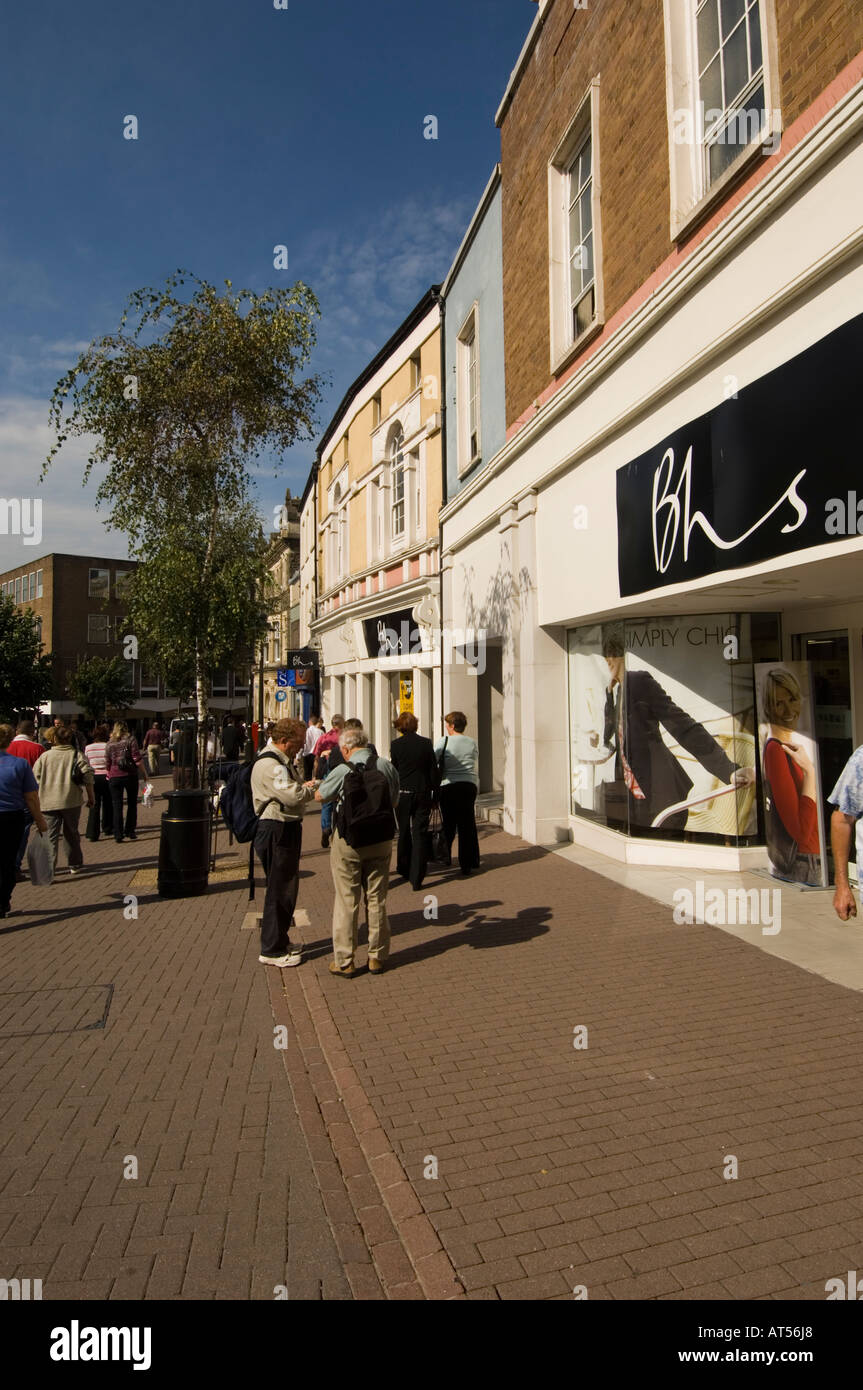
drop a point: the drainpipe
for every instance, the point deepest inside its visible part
(443, 453)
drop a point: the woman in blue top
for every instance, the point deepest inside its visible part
(458, 789)
(18, 792)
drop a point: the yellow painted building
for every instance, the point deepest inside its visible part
(371, 587)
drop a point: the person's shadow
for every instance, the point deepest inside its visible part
(481, 931)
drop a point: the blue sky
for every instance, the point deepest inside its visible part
(257, 127)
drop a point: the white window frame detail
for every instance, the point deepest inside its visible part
(468, 336)
(564, 345)
(102, 622)
(397, 538)
(692, 195)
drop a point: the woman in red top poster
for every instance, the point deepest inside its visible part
(790, 784)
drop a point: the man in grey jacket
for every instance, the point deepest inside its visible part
(279, 797)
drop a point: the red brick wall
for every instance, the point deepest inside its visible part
(625, 44)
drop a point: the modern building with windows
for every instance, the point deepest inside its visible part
(673, 509)
(77, 604)
(374, 497)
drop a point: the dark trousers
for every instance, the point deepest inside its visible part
(278, 845)
(119, 785)
(308, 766)
(412, 814)
(457, 811)
(11, 830)
(25, 836)
(102, 810)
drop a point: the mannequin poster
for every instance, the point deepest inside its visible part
(791, 779)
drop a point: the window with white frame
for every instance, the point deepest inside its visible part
(582, 293)
(38, 583)
(575, 248)
(275, 644)
(99, 628)
(722, 92)
(730, 80)
(397, 484)
(18, 590)
(121, 579)
(467, 367)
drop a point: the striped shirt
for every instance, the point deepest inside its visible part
(95, 755)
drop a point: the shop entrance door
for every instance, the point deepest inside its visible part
(827, 653)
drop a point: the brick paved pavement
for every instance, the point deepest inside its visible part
(603, 1166)
(556, 1166)
(184, 1077)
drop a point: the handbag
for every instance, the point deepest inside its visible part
(40, 859)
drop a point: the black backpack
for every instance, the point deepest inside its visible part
(365, 815)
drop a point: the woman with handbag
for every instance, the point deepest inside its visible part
(458, 757)
(65, 778)
(18, 793)
(122, 762)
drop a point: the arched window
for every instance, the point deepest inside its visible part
(397, 482)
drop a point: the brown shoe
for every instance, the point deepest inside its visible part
(347, 972)
(376, 967)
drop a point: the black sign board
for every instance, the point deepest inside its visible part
(304, 660)
(392, 634)
(760, 476)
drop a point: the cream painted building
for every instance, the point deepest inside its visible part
(374, 498)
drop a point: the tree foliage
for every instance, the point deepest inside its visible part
(25, 673)
(101, 685)
(178, 406)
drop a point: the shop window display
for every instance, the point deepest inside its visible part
(663, 738)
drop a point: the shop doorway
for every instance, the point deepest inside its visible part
(827, 653)
(490, 728)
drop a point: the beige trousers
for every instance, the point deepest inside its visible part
(355, 872)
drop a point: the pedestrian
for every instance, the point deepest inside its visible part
(323, 748)
(79, 736)
(19, 795)
(183, 754)
(65, 778)
(102, 810)
(458, 756)
(414, 760)
(231, 743)
(47, 735)
(361, 869)
(122, 763)
(313, 733)
(279, 799)
(847, 798)
(153, 740)
(24, 745)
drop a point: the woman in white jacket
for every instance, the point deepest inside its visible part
(65, 779)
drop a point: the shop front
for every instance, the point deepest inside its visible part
(380, 664)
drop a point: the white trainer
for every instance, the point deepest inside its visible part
(292, 958)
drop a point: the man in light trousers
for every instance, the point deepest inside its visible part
(359, 870)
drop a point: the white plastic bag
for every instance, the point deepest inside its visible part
(148, 793)
(40, 859)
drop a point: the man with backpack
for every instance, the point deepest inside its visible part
(365, 792)
(279, 798)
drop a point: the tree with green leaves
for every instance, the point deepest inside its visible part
(178, 406)
(26, 681)
(101, 686)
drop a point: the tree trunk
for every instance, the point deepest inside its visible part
(202, 672)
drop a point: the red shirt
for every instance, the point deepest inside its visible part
(798, 814)
(23, 747)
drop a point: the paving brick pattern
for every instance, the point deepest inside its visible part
(184, 1077)
(601, 1166)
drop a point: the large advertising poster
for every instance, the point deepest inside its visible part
(663, 726)
(790, 772)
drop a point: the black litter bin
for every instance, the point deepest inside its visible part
(184, 848)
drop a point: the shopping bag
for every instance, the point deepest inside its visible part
(40, 859)
(438, 849)
(148, 793)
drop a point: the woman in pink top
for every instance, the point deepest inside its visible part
(102, 809)
(122, 763)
